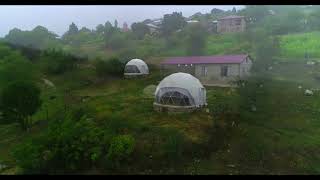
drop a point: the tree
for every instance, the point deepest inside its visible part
(266, 48)
(196, 41)
(85, 30)
(172, 22)
(19, 101)
(234, 10)
(140, 30)
(100, 29)
(255, 13)
(15, 67)
(73, 29)
(115, 24)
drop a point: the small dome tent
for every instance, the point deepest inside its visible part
(136, 67)
(180, 92)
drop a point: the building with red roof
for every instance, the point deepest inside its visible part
(210, 69)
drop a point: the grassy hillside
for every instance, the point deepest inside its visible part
(280, 138)
(295, 45)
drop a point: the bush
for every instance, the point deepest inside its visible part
(57, 62)
(67, 146)
(174, 145)
(120, 148)
(111, 67)
(19, 101)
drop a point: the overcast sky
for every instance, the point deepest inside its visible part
(57, 18)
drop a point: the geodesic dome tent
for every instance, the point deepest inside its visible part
(180, 89)
(136, 67)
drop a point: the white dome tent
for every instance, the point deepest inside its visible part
(180, 92)
(136, 67)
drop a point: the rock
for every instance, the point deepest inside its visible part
(311, 63)
(253, 108)
(299, 87)
(3, 166)
(308, 92)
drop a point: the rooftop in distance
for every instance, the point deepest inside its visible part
(223, 59)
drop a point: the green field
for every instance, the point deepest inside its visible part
(295, 45)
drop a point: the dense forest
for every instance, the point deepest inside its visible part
(66, 108)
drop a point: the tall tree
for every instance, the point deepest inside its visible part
(172, 22)
(73, 29)
(196, 41)
(115, 24)
(100, 29)
(140, 30)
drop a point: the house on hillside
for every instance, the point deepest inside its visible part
(154, 25)
(210, 70)
(231, 24)
(153, 28)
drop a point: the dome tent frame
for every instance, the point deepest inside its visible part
(180, 92)
(136, 67)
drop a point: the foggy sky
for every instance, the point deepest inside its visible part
(58, 18)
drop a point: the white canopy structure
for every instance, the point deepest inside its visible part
(180, 89)
(136, 67)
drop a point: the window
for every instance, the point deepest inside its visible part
(175, 98)
(203, 71)
(131, 69)
(238, 21)
(224, 71)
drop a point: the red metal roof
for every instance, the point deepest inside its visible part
(225, 59)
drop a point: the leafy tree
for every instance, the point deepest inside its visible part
(85, 30)
(38, 38)
(196, 41)
(266, 48)
(115, 24)
(19, 101)
(234, 11)
(140, 30)
(73, 29)
(172, 22)
(14, 67)
(256, 13)
(100, 29)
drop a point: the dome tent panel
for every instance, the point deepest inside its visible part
(180, 89)
(174, 96)
(136, 67)
(131, 69)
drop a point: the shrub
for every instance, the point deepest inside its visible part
(174, 145)
(57, 62)
(19, 101)
(120, 148)
(111, 67)
(67, 146)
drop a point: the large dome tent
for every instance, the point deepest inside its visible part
(136, 67)
(180, 91)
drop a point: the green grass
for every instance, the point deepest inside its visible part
(295, 45)
(282, 137)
